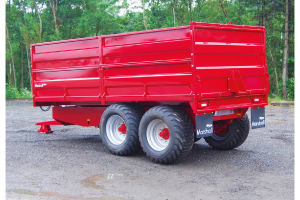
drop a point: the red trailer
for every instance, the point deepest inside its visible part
(161, 89)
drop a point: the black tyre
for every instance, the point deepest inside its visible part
(237, 134)
(119, 128)
(166, 134)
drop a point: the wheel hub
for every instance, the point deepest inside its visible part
(122, 129)
(165, 134)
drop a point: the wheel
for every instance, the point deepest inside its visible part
(235, 136)
(119, 128)
(166, 134)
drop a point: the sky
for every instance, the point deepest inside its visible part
(134, 5)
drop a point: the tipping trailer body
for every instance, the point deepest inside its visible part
(215, 70)
(223, 66)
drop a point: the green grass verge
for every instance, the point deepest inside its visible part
(14, 93)
(278, 98)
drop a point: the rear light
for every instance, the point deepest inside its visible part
(224, 112)
(203, 104)
(256, 100)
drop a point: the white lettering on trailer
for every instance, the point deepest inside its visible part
(260, 123)
(40, 85)
(208, 130)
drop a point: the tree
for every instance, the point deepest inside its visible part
(285, 71)
(35, 21)
(54, 9)
(40, 19)
(12, 71)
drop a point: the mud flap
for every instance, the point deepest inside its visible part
(257, 118)
(204, 125)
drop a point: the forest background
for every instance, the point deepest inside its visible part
(35, 21)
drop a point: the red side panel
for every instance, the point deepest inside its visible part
(142, 66)
(211, 66)
(148, 66)
(66, 71)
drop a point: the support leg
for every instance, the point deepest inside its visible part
(45, 129)
(45, 126)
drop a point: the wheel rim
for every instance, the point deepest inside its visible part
(158, 135)
(116, 129)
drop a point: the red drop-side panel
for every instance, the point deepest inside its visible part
(222, 66)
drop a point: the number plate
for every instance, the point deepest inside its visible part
(204, 125)
(257, 118)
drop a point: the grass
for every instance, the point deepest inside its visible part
(278, 98)
(12, 92)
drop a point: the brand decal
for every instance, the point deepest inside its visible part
(40, 85)
(258, 118)
(261, 122)
(204, 125)
(208, 130)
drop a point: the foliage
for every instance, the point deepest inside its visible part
(290, 84)
(275, 98)
(35, 21)
(12, 92)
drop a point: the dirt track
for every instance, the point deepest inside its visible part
(72, 163)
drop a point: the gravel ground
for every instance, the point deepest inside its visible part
(72, 163)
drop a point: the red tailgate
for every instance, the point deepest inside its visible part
(230, 66)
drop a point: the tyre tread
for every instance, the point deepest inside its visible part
(239, 131)
(183, 134)
(133, 115)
